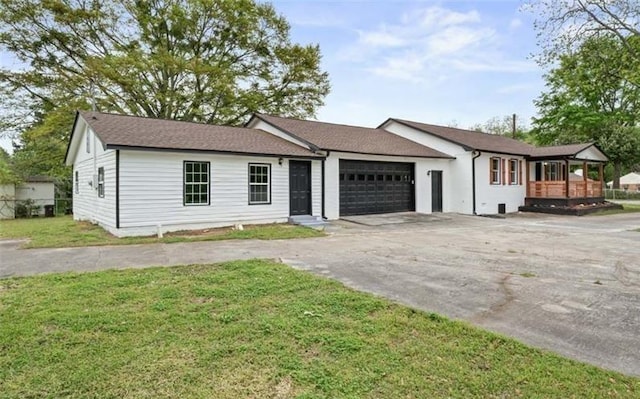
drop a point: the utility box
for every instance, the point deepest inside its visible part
(48, 211)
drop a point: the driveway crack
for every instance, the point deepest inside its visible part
(500, 306)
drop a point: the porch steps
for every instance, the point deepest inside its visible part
(315, 222)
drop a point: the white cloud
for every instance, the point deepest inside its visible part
(515, 23)
(429, 43)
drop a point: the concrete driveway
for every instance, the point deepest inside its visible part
(567, 284)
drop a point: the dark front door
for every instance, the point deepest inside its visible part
(300, 187)
(436, 191)
(368, 187)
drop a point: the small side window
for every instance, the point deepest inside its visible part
(101, 182)
(77, 183)
(494, 172)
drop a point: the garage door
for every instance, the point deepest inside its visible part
(375, 187)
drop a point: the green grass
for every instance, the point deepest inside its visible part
(626, 208)
(63, 231)
(261, 330)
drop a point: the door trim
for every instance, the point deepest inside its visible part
(309, 205)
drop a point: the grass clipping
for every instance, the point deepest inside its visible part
(262, 330)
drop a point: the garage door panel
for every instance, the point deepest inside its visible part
(375, 187)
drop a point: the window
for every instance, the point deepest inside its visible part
(77, 183)
(513, 171)
(259, 184)
(494, 165)
(553, 171)
(196, 183)
(101, 182)
(88, 136)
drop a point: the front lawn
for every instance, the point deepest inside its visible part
(257, 329)
(63, 231)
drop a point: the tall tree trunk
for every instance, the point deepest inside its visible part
(617, 171)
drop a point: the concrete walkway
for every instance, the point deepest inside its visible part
(571, 285)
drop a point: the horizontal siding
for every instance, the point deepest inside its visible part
(316, 188)
(151, 191)
(86, 204)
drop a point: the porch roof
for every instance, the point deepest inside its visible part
(582, 152)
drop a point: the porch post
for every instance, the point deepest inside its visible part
(601, 178)
(527, 182)
(566, 178)
(584, 176)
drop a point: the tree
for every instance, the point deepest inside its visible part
(589, 100)
(208, 61)
(503, 126)
(563, 25)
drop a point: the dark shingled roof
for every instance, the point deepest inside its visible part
(472, 140)
(559, 150)
(355, 139)
(123, 131)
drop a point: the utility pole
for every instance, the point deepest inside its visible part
(513, 126)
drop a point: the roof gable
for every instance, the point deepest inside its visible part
(132, 132)
(347, 138)
(469, 139)
(582, 151)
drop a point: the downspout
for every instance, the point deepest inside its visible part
(473, 178)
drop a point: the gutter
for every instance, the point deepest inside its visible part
(473, 178)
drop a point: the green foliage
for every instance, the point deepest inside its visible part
(198, 60)
(590, 99)
(7, 175)
(63, 231)
(262, 330)
(503, 126)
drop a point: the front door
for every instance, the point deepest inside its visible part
(436, 191)
(300, 188)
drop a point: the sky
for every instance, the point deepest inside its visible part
(441, 62)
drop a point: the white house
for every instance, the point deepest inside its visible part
(628, 182)
(38, 189)
(138, 176)
(488, 171)
(369, 170)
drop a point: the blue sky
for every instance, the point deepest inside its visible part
(439, 62)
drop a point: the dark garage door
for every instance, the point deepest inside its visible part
(375, 187)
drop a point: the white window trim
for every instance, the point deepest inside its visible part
(514, 172)
(185, 183)
(267, 184)
(499, 171)
(101, 182)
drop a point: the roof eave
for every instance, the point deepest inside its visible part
(222, 152)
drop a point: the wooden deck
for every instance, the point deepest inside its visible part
(558, 189)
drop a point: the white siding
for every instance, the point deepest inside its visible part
(42, 193)
(86, 203)
(488, 195)
(459, 179)
(422, 180)
(151, 192)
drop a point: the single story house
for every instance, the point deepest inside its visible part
(628, 182)
(138, 176)
(40, 190)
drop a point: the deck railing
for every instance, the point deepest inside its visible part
(558, 189)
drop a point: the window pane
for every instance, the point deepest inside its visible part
(189, 167)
